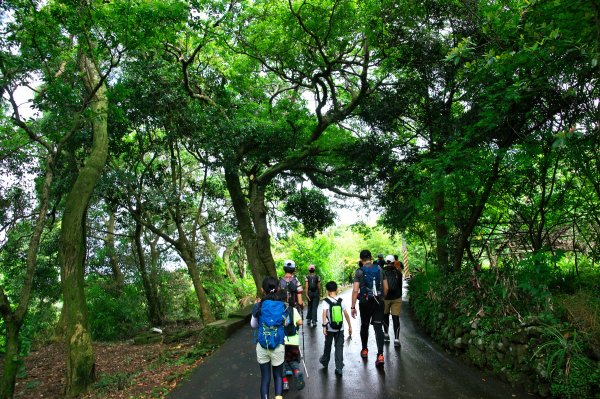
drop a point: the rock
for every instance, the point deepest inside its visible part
(479, 344)
(244, 313)
(458, 343)
(441, 316)
(501, 347)
(474, 325)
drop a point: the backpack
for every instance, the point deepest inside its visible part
(289, 328)
(394, 284)
(313, 283)
(371, 276)
(271, 318)
(336, 319)
(291, 290)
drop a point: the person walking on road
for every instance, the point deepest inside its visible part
(268, 316)
(393, 300)
(312, 286)
(369, 288)
(291, 286)
(334, 311)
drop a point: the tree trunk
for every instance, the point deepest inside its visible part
(227, 260)
(80, 353)
(109, 241)
(13, 320)
(246, 229)
(11, 359)
(476, 212)
(155, 314)
(258, 210)
(205, 310)
(441, 231)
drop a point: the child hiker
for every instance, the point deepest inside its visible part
(333, 327)
(291, 365)
(268, 316)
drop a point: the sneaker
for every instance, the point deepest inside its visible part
(323, 362)
(397, 343)
(380, 361)
(386, 337)
(364, 353)
(314, 324)
(286, 385)
(300, 381)
(338, 371)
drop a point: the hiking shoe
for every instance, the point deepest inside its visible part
(380, 361)
(323, 362)
(286, 386)
(300, 381)
(386, 337)
(364, 353)
(397, 343)
(338, 371)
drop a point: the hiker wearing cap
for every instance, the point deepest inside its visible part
(334, 311)
(392, 301)
(380, 262)
(312, 285)
(369, 288)
(291, 286)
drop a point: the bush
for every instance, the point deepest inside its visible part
(114, 316)
(517, 321)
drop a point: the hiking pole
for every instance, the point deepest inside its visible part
(302, 353)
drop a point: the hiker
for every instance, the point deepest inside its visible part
(312, 285)
(392, 300)
(369, 288)
(398, 265)
(380, 262)
(333, 327)
(291, 366)
(290, 285)
(268, 316)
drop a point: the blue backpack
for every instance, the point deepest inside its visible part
(371, 285)
(271, 318)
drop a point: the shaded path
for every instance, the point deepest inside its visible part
(420, 369)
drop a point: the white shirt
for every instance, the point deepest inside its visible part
(326, 309)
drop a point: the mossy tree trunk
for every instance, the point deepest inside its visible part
(80, 354)
(155, 313)
(14, 315)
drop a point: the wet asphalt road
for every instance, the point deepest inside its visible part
(420, 369)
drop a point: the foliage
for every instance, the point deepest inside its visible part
(114, 317)
(522, 305)
(310, 207)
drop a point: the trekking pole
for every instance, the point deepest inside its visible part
(302, 353)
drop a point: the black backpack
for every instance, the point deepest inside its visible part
(313, 283)
(394, 281)
(289, 328)
(291, 290)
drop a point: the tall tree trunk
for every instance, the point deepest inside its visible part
(11, 358)
(258, 210)
(155, 313)
(13, 319)
(227, 259)
(80, 353)
(109, 241)
(441, 231)
(476, 213)
(257, 266)
(205, 310)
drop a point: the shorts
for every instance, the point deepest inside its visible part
(393, 306)
(275, 356)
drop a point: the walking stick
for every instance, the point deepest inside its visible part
(302, 351)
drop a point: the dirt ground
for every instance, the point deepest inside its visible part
(123, 370)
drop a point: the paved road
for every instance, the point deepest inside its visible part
(420, 369)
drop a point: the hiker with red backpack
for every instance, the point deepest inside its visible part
(369, 288)
(392, 300)
(333, 327)
(312, 285)
(268, 317)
